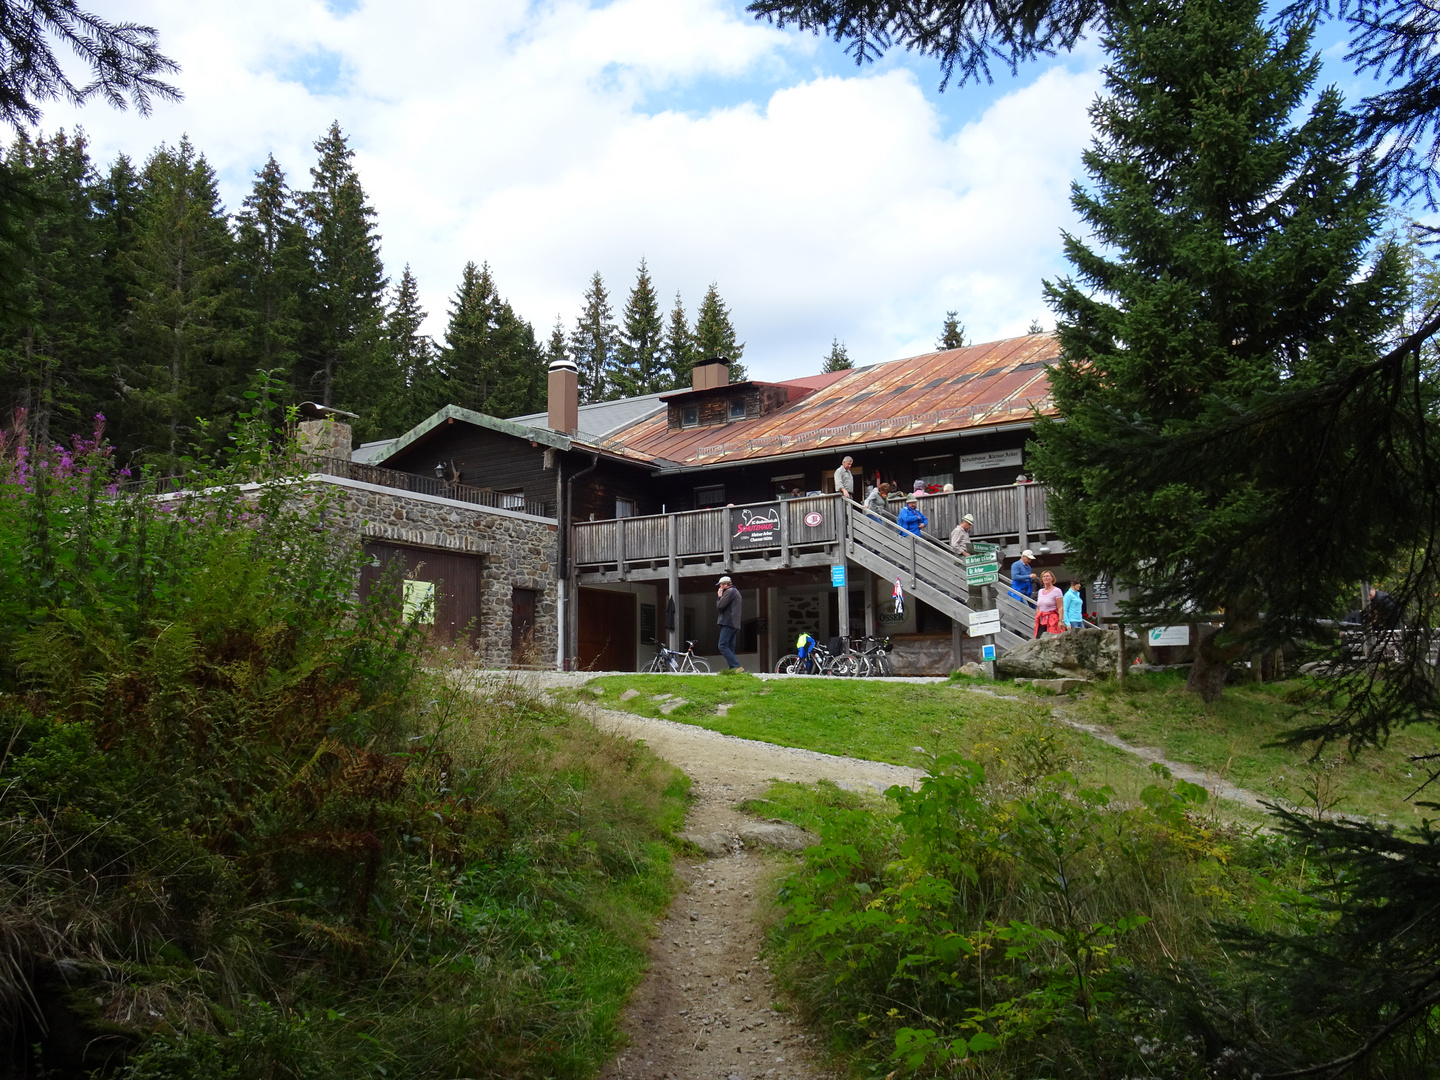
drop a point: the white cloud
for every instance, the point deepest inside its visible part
(557, 139)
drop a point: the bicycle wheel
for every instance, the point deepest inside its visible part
(699, 665)
(843, 666)
(788, 665)
(656, 666)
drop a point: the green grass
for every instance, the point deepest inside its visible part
(908, 723)
(1234, 738)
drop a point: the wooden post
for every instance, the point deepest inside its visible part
(725, 532)
(1022, 516)
(1120, 663)
(773, 644)
(620, 548)
(841, 533)
(784, 534)
(674, 584)
(957, 644)
(869, 604)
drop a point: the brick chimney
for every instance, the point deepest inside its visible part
(563, 396)
(710, 373)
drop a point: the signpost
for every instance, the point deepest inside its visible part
(984, 622)
(982, 569)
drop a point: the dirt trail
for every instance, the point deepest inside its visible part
(704, 1010)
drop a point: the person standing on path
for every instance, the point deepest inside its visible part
(911, 520)
(960, 535)
(1074, 607)
(1047, 606)
(1022, 577)
(727, 608)
(845, 479)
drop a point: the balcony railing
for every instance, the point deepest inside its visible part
(428, 485)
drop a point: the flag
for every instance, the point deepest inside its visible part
(899, 594)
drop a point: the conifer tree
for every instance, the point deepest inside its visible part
(118, 203)
(276, 277)
(556, 348)
(640, 366)
(182, 333)
(678, 349)
(491, 362)
(349, 366)
(714, 336)
(594, 344)
(952, 333)
(413, 354)
(838, 358)
(55, 349)
(1035, 327)
(1236, 267)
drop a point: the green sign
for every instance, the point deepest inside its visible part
(988, 569)
(980, 560)
(981, 546)
(983, 579)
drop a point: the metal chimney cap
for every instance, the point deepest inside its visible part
(563, 363)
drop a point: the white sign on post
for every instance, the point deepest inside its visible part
(984, 622)
(1170, 635)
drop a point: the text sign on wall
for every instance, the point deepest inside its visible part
(1170, 635)
(418, 598)
(837, 576)
(992, 459)
(755, 528)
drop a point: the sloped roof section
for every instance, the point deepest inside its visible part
(603, 418)
(958, 389)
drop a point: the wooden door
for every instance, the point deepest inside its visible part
(607, 630)
(522, 628)
(455, 576)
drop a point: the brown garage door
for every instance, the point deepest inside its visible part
(607, 630)
(456, 578)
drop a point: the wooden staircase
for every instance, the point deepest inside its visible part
(927, 569)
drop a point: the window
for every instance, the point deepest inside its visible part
(690, 416)
(787, 486)
(514, 499)
(937, 471)
(737, 408)
(624, 508)
(709, 496)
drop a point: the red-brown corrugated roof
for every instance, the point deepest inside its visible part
(977, 386)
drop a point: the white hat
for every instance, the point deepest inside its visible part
(1027, 554)
(724, 580)
(969, 519)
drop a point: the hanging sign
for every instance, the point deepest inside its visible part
(837, 576)
(1100, 590)
(992, 459)
(755, 528)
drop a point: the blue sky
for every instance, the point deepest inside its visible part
(557, 138)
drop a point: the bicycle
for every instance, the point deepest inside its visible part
(669, 662)
(811, 658)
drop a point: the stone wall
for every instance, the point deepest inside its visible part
(517, 551)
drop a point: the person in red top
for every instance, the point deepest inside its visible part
(1047, 606)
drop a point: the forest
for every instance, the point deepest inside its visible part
(133, 293)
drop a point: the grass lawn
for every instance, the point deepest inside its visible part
(1230, 737)
(1013, 731)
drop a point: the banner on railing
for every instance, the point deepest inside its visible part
(755, 527)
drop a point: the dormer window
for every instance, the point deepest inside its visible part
(690, 416)
(737, 408)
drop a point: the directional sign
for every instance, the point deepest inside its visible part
(984, 622)
(973, 569)
(981, 579)
(981, 559)
(983, 548)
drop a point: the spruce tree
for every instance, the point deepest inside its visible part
(182, 333)
(413, 354)
(594, 344)
(491, 362)
(838, 358)
(1234, 264)
(276, 278)
(678, 349)
(640, 366)
(349, 366)
(56, 347)
(952, 333)
(714, 336)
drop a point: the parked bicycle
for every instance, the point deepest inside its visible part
(870, 658)
(669, 662)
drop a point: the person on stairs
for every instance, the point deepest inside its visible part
(911, 520)
(1022, 576)
(960, 535)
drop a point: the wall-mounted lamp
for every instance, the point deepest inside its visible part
(440, 470)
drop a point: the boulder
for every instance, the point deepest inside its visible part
(778, 834)
(1076, 654)
(973, 668)
(1058, 686)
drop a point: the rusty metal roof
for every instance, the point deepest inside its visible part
(958, 389)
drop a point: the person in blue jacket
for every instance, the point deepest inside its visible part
(1074, 607)
(1022, 576)
(911, 519)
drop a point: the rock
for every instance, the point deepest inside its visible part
(715, 843)
(661, 697)
(598, 691)
(673, 704)
(1075, 654)
(723, 708)
(970, 667)
(1058, 686)
(628, 694)
(778, 834)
